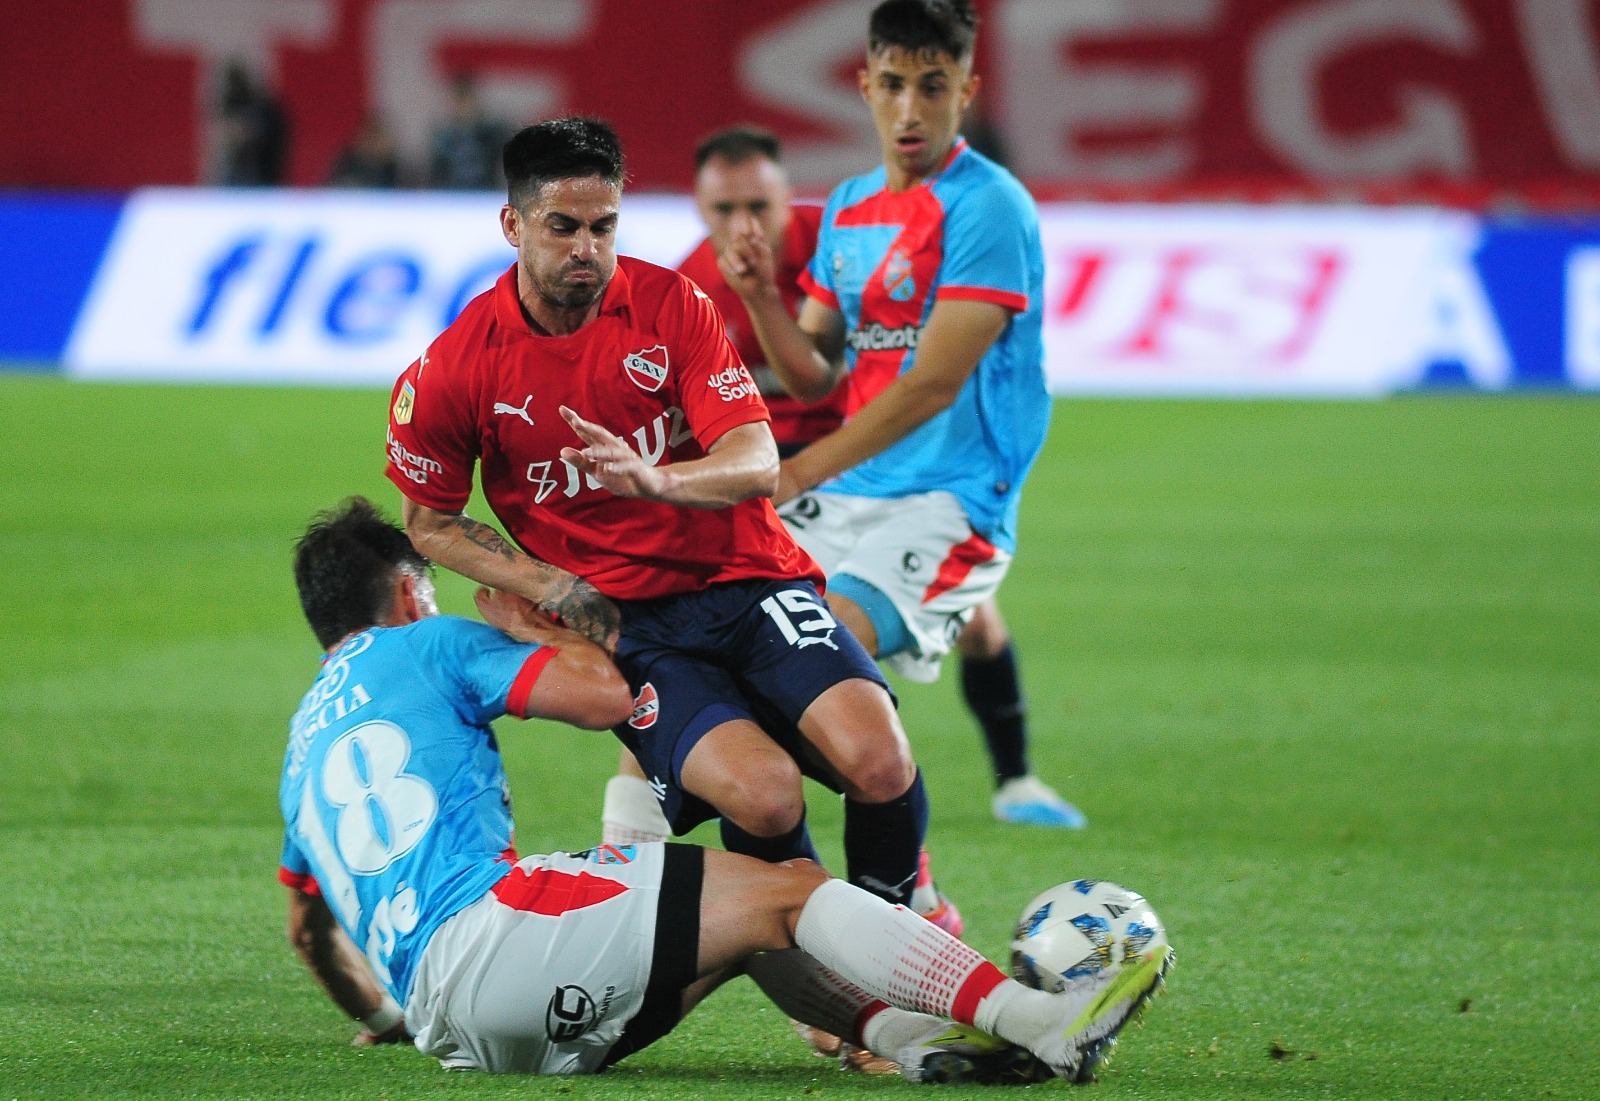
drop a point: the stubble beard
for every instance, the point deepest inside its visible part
(560, 296)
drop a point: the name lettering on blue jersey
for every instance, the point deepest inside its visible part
(314, 713)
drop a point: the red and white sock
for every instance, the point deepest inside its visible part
(809, 992)
(893, 954)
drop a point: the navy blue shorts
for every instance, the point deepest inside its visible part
(758, 650)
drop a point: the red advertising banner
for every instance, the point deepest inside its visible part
(1485, 97)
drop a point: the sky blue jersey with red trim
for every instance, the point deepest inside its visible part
(883, 258)
(395, 800)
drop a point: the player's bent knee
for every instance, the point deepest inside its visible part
(766, 799)
(880, 780)
(765, 819)
(790, 895)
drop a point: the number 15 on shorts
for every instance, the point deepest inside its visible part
(803, 621)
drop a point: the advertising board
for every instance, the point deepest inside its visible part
(346, 288)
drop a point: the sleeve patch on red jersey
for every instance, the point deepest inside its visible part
(404, 403)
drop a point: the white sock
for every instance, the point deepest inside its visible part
(893, 954)
(810, 993)
(630, 814)
(1022, 1014)
(888, 1031)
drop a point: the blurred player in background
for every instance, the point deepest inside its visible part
(743, 681)
(405, 890)
(923, 304)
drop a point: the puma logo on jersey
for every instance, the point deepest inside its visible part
(515, 410)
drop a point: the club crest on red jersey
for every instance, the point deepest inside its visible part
(647, 368)
(646, 706)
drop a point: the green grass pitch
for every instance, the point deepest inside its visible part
(1323, 675)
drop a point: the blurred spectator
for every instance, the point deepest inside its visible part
(465, 150)
(983, 135)
(253, 131)
(368, 161)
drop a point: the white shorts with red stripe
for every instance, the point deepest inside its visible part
(919, 551)
(542, 974)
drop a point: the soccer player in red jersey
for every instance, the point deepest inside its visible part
(627, 452)
(740, 187)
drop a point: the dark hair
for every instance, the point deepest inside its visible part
(738, 144)
(559, 149)
(344, 566)
(920, 26)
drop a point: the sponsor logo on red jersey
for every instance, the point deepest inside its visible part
(413, 466)
(647, 368)
(733, 383)
(646, 706)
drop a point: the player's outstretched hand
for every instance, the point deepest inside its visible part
(395, 1035)
(609, 461)
(516, 615)
(748, 266)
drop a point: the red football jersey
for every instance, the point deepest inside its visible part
(794, 423)
(655, 368)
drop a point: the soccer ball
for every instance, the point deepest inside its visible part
(1080, 929)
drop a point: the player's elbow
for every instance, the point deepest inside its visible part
(611, 705)
(929, 396)
(764, 479)
(424, 526)
(599, 699)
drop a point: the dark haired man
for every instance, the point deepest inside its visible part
(742, 192)
(743, 680)
(404, 888)
(926, 289)
(740, 188)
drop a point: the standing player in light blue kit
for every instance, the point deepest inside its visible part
(927, 289)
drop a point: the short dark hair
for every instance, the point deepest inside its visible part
(344, 567)
(738, 144)
(560, 149)
(921, 26)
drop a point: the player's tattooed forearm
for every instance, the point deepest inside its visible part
(482, 535)
(586, 611)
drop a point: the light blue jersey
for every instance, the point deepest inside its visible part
(393, 792)
(883, 259)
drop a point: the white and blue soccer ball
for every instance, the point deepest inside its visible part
(1080, 929)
